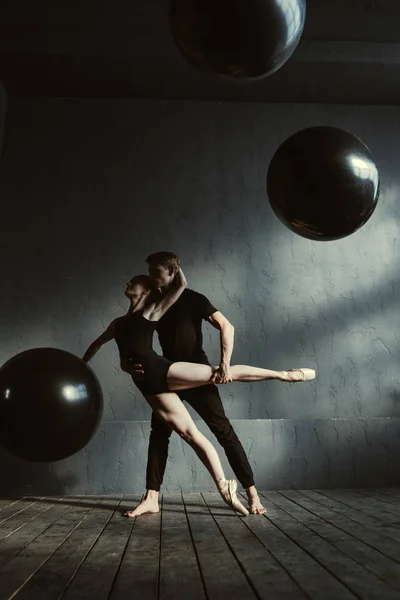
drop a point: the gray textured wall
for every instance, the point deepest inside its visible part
(90, 187)
(3, 112)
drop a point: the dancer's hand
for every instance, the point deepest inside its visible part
(222, 375)
(135, 370)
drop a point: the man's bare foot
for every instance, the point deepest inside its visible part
(256, 508)
(296, 375)
(149, 505)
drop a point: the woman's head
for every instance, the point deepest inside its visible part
(139, 285)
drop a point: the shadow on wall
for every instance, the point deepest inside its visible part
(354, 359)
(320, 305)
(329, 453)
(340, 335)
(396, 402)
(68, 205)
(81, 229)
(23, 478)
(284, 454)
(351, 341)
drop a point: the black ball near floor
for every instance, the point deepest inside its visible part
(51, 404)
(323, 183)
(238, 39)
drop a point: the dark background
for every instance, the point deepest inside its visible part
(114, 148)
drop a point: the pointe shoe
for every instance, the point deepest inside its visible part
(307, 374)
(229, 489)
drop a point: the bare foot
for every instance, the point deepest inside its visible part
(146, 506)
(296, 375)
(256, 508)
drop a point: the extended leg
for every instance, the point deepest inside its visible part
(170, 408)
(184, 375)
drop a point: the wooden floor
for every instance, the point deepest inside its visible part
(336, 544)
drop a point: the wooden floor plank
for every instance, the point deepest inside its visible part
(348, 511)
(19, 539)
(20, 569)
(5, 502)
(83, 564)
(139, 569)
(372, 535)
(385, 528)
(389, 491)
(23, 518)
(180, 577)
(18, 510)
(267, 576)
(319, 544)
(311, 577)
(50, 581)
(347, 537)
(377, 495)
(368, 505)
(360, 581)
(222, 575)
(381, 503)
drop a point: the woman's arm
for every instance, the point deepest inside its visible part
(170, 297)
(100, 341)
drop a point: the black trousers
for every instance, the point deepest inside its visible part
(206, 401)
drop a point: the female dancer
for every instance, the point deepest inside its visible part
(133, 334)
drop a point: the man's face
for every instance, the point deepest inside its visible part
(160, 276)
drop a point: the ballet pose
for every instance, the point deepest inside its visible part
(133, 334)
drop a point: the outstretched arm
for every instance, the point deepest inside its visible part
(100, 341)
(227, 334)
(171, 296)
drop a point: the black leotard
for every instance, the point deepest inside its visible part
(134, 337)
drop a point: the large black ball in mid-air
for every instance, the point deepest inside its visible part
(323, 183)
(51, 404)
(241, 40)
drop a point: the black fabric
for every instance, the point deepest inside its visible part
(179, 330)
(206, 401)
(181, 339)
(134, 337)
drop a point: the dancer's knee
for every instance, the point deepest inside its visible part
(189, 434)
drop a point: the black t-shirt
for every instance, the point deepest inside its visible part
(179, 330)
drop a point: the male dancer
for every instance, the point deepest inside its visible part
(181, 339)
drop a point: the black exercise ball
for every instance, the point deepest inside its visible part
(238, 39)
(323, 183)
(51, 404)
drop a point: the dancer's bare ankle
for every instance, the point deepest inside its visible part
(251, 492)
(149, 504)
